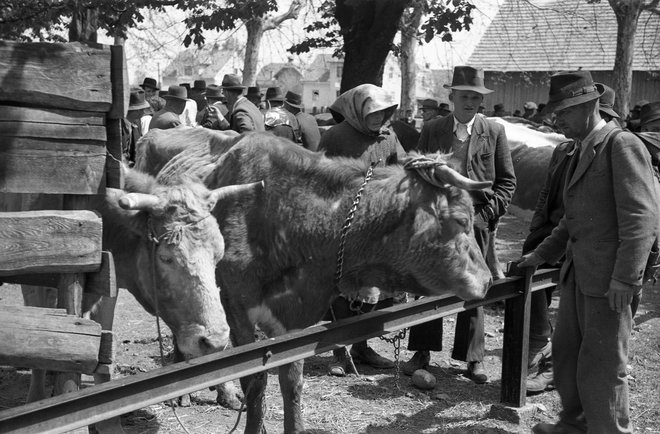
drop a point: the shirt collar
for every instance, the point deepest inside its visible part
(592, 134)
(469, 125)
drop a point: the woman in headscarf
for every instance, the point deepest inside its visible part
(361, 132)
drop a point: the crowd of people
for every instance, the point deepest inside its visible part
(597, 216)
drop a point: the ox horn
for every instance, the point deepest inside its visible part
(138, 201)
(235, 190)
(450, 176)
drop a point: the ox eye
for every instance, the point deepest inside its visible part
(165, 259)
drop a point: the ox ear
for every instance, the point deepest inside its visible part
(449, 176)
(139, 201)
(234, 190)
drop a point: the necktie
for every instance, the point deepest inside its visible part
(461, 132)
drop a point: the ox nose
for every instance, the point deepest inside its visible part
(213, 343)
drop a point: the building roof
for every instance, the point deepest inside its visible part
(553, 35)
(319, 69)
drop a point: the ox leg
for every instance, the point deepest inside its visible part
(291, 385)
(38, 296)
(254, 387)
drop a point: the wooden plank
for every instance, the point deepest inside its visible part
(114, 175)
(121, 91)
(104, 281)
(50, 242)
(54, 342)
(54, 123)
(54, 167)
(28, 202)
(71, 75)
(515, 346)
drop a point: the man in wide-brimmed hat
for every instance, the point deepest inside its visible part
(309, 129)
(609, 225)
(218, 120)
(254, 95)
(606, 103)
(649, 117)
(279, 121)
(175, 103)
(430, 109)
(136, 123)
(479, 150)
(243, 115)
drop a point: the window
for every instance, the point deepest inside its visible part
(315, 95)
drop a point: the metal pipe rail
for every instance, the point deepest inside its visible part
(94, 404)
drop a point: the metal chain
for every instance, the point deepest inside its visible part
(349, 220)
(396, 342)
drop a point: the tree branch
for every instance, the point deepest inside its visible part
(652, 7)
(271, 22)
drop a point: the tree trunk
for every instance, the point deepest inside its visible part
(627, 15)
(368, 28)
(407, 60)
(84, 23)
(255, 32)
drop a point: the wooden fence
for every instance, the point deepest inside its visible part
(91, 405)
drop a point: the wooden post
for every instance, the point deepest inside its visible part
(515, 347)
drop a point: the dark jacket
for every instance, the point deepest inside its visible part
(489, 158)
(344, 140)
(311, 136)
(245, 116)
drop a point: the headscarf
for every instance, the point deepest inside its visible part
(354, 105)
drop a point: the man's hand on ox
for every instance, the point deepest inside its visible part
(530, 260)
(620, 294)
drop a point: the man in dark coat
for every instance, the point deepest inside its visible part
(480, 151)
(175, 103)
(609, 225)
(309, 129)
(277, 119)
(243, 115)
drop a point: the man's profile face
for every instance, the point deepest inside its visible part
(466, 104)
(573, 121)
(429, 113)
(149, 92)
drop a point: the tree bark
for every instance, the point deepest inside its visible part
(627, 15)
(84, 23)
(411, 20)
(255, 33)
(368, 28)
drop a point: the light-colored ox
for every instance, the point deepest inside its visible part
(282, 242)
(189, 246)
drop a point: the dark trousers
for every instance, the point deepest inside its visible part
(469, 338)
(590, 352)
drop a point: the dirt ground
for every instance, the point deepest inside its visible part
(371, 404)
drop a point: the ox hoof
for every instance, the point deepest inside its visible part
(229, 396)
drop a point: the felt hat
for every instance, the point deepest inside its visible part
(213, 91)
(199, 85)
(570, 88)
(649, 112)
(430, 104)
(274, 94)
(606, 100)
(175, 92)
(136, 100)
(468, 78)
(149, 82)
(444, 109)
(232, 81)
(186, 85)
(530, 105)
(253, 92)
(293, 99)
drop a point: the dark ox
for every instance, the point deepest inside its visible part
(189, 246)
(282, 243)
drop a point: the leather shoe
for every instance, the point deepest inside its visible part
(541, 381)
(369, 357)
(420, 360)
(476, 372)
(538, 353)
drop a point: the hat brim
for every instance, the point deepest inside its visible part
(609, 111)
(650, 118)
(479, 89)
(554, 106)
(234, 87)
(149, 87)
(174, 97)
(143, 105)
(293, 105)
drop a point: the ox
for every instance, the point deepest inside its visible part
(282, 243)
(189, 246)
(531, 149)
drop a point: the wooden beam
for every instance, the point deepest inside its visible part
(71, 75)
(30, 165)
(50, 124)
(50, 242)
(114, 174)
(104, 281)
(120, 88)
(37, 340)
